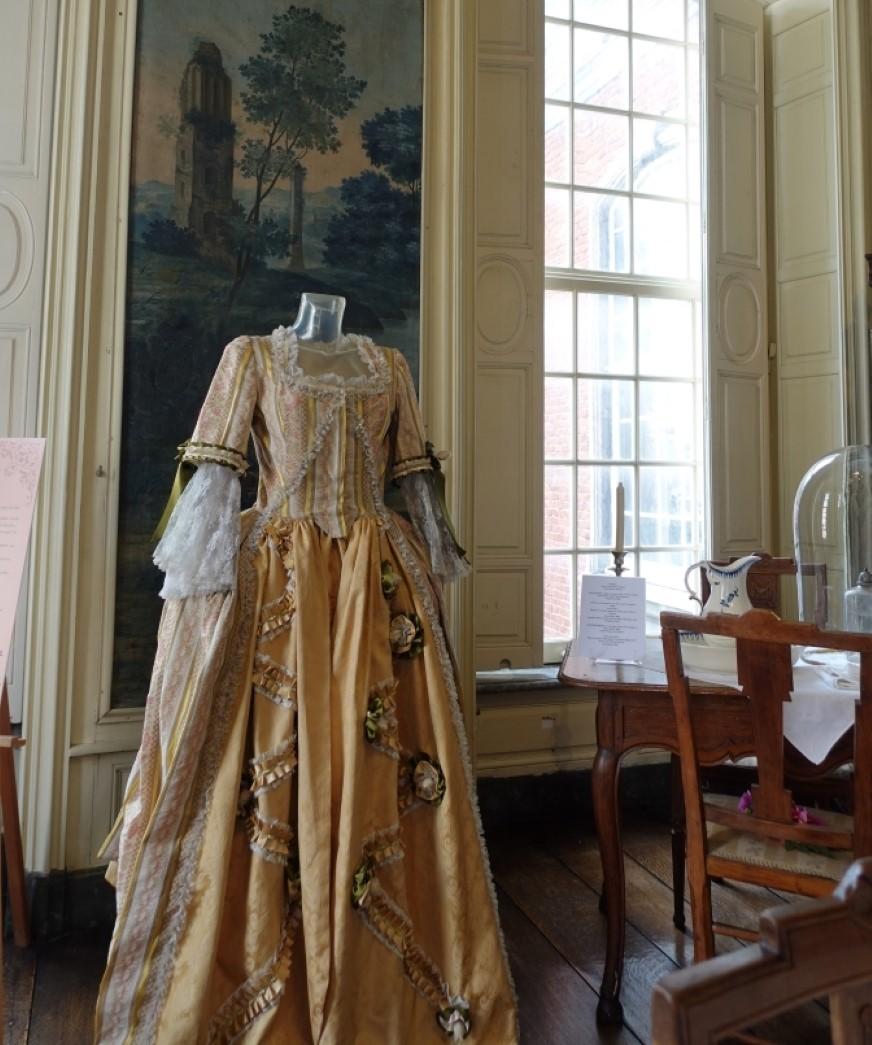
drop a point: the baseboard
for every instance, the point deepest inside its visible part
(565, 796)
(70, 901)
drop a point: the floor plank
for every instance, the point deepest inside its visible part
(565, 910)
(68, 975)
(19, 970)
(557, 1007)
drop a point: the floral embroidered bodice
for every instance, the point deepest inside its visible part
(324, 444)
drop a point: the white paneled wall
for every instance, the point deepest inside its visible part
(738, 361)
(27, 45)
(807, 253)
(508, 342)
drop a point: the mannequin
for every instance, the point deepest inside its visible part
(320, 319)
(322, 347)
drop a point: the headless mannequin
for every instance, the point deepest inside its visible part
(322, 347)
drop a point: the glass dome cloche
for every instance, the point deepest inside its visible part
(832, 539)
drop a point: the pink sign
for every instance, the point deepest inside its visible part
(20, 465)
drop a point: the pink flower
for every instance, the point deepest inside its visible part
(745, 802)
(802, 816)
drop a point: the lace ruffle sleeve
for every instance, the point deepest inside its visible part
(431, 523)
(200, 541)
(200, 544)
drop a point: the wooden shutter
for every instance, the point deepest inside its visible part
(508, 333)
(808, 299)
(736, 292)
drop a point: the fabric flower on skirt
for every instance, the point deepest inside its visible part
(361, 882)
(428, 780)
(406, 635)
(454, 1019)
(390, 580)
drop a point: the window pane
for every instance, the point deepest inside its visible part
(601, 69)
(694, 234)
(557, 71)
(694, 99)
(667, 506)
(600, 232)
(557, 228)
(558, 330)
(558, 597)
(660, 244)
(557, 8)
(602, 149)
(659, 18)
(557, 123)
(610, 13)
(659, 158)
(558, 418)
(595, 505)
(604, 420)
(665, 421)
(694, 165)
(664, 583)
(693, 21)
(558, 506)
(605, 333)
(666, 337)
(658, 78)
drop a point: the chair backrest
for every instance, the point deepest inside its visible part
(806, 950)
(763, 655)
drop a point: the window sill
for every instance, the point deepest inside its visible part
(508, 680)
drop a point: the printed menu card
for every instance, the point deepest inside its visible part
(20, 465)
(611, 619)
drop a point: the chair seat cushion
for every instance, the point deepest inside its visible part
(728, 843)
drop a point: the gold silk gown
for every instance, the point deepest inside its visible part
(298, 858)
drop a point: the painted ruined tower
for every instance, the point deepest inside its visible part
(204, 150)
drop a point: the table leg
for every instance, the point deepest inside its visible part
(678, 843)
(606, 810)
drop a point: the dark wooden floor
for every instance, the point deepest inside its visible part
(548, 884)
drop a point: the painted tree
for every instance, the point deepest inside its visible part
(378, 232)
(297, 89)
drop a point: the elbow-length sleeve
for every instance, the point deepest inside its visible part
(417, 471)
(200, 543)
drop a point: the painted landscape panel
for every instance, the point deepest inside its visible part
(276, 148)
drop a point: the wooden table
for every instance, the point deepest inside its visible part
(634, 710)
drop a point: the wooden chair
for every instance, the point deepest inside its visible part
(807, 950)
(764, 591)
(723, 842)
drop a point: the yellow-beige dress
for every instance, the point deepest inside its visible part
(299, 858)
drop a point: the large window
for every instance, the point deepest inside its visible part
(623, 353)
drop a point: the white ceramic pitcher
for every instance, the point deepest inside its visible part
(729, 590)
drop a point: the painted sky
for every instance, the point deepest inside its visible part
(384, 46)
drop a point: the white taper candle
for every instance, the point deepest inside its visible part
(619, 518)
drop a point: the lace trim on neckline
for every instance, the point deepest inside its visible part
(376, 380)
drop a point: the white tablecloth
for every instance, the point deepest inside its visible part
(821, 708)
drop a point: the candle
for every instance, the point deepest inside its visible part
(619, 518)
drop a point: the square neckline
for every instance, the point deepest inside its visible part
(375, 381)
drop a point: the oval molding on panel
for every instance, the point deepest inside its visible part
(741, 318)
(16, 247)
(501, 304)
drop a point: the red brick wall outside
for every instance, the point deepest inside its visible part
(597, 160)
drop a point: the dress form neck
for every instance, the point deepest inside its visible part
(319, 321)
